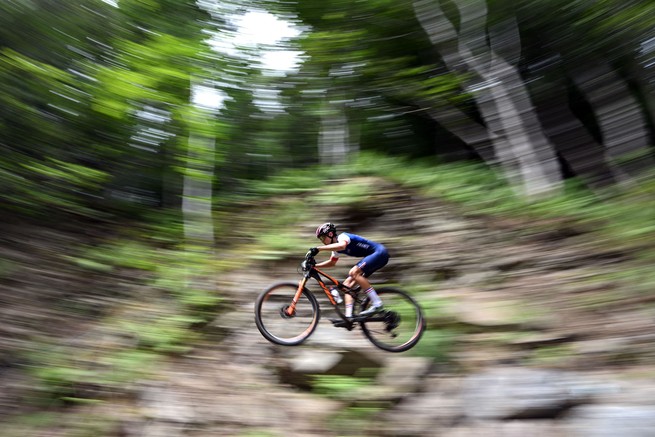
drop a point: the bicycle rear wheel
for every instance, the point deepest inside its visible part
(399, 326)
(273, 321)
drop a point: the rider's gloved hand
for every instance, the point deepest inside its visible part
(313, 251)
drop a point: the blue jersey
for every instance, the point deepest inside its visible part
(358, 246)
(374, 255)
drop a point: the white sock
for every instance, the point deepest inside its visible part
(375, 299)
(349, 310)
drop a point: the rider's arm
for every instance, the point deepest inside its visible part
(334, 247)
(329, 263)
(334, 257)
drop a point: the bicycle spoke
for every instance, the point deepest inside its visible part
(275, 322)
(400, 326)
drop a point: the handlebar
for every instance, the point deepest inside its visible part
(309, 261)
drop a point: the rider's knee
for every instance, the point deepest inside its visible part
(355, 272)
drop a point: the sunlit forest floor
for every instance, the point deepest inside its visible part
(95, 339)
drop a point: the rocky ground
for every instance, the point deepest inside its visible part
(532, 331)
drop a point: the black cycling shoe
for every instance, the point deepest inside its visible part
(340, 323)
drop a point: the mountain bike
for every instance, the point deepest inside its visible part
(288, 313)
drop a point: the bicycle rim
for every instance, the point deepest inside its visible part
(278, 327)
(399, 327)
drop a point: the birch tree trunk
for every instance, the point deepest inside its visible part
(197, 195)
(197, 190)
(520, 146)
(334, 138)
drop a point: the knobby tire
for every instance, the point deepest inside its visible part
(280, 328)
(401, 309)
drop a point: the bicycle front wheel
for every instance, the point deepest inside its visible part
(274, 321)
(399, 326)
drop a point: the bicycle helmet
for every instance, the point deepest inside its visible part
(328, 229)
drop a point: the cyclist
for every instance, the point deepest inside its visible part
(374, 256)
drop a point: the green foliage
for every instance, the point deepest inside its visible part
(435, 343)
(199, 301)
(174, 273)
(292, 181)
(633, 281)
(420, 83)
(35, 420)
(460, 182)
(120, 253)
(435, 309)
(82, 87)
(75, 425)
(552, 355)
(349, 192)
(162, 227)
(339, 386)
(278, 245)
(36, 173)
(77, 177)
(621, 217)
(70, 373)
(356, 420)
(156, 71)
(167, 334)
(165, 325)
(274, 231)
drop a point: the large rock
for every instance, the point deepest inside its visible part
(400, 377)
(437, 406)
(164, 403)
(511, 428)
(611, 421)
(517, 393)
(489, 310)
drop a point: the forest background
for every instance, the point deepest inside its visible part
(150, 134)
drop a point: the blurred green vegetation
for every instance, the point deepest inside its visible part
(355, 420)
(342, 386)
(620, 217)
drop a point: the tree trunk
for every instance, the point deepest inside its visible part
(474, 134)
(334, 138)
(521, 148)
(621, 120)
(577, 147)
(197, 193)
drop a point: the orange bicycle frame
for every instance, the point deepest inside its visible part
(316, 274)
(323, 286)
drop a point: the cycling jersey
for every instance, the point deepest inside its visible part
(375, 254)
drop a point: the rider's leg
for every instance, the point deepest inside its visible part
(349, 282)
(357, 278)
(376, 303)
